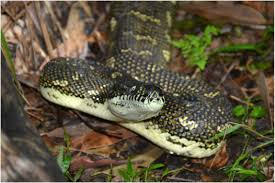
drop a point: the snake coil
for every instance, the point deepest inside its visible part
(193, 111)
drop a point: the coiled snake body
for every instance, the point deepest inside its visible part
(183, 114)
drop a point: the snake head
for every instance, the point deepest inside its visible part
(132, 100)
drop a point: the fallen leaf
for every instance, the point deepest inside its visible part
(48, 141)
(219, 160)
(86, 162)
(226, 12)
(206, 178)
(265, 93)
(92, 140)
(216, 161)
(152, 152)
(264, 7)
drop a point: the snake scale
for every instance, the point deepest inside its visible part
(186, 112)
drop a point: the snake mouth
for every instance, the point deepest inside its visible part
(132, 100)
(136, 107)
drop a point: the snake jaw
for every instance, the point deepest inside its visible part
(132, 100)
(136, 107)
(155, 101)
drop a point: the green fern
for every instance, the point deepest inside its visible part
(194, 47)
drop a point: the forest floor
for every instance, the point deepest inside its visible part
(237, 58)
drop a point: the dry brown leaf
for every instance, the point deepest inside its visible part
(92, 140)
(76, 40)
(86, 162)
(264, 92)
(82, 161)
(206, 178)
(264, 7)
(219, 160)
(76, 43)
(48, 141)
(225, 12)
(73, 130)
(144, 160)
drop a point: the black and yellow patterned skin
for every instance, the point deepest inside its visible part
(141, 29)
(194, 111)
(152, 20)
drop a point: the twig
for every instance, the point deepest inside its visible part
(44, 29)
(35, 116)
(102, 146)
(98, 128)
(99, 163)
(30, 28)
(7, 10)
(179, 179)
(33, 16)
(86, 8)
(7, 26)
(61, 30)
(27, 83)
(197, 71)
(240, 100)
(262, 85)
(253, 131)
(227, 73)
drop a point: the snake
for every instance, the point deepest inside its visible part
(134, 88)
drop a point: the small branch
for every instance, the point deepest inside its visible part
(240, 100)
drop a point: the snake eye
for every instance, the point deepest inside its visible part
(133, 89)
(154, 94)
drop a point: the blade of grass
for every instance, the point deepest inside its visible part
(7, 54)
(267, 143)
(237, 48)
(225, 132)
(255, 132)
(150, 168)
(78, 174)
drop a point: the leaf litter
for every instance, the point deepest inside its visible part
(62, 31)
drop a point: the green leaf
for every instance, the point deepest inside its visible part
(257, 112)
(7, 54)
(63, 160)
(239, 110)
(130, 168)
(244, 171)
(156, 166)
(67, 161)
(151, 167)
(124, 175)
(269, 31)
(225, 132)
(264, 144)
(193, 48)
(60, 158)
(201, 64)
(110, 175)
(165, 172)
(128, 174)
(261, 65)
(237, 48)
(67, 139)
(78, 174)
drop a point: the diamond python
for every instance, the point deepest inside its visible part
(193, 111)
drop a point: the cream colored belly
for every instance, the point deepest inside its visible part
(84, 105)
(189, 148)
